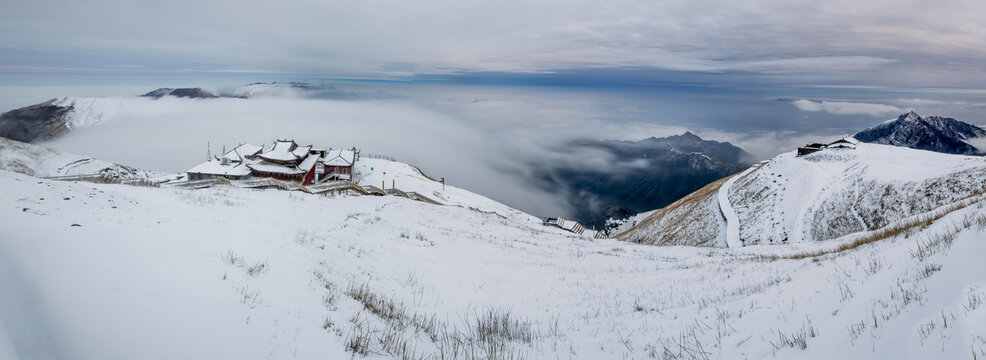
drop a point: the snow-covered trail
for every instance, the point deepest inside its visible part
(732, 221)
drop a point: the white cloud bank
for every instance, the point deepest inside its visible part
(847, 108)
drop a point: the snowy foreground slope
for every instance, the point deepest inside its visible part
(165, 273)
(827, 195)
(42, 161)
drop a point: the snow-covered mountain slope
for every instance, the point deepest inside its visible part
(41, 161)
(387, 174)
(822, 196)
(98, 271)
(53, 118)
(934, 133)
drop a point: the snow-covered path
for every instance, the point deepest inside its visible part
(732, 221)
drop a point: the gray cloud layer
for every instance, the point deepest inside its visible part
(847, 108)
(832, 39)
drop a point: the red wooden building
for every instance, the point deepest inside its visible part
(286, 160)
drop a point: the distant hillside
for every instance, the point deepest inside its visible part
(934, 133)
(55, 117)
(821, 196)
(194, 93)
(620, 178)
(44, 120)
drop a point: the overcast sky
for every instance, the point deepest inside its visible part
(802, 66)
(741, 67)
(766, 75)
(871, 43)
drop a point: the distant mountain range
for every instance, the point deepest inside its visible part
(616, 179)
(934, 133)
(194, 93)
(292, 89)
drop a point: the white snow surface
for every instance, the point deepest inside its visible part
(41, 161)
(90, 111)
(166, 273)
(732, 221)
(834, 192)
(378, 172)
(831, 194)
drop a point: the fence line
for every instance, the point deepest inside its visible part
(379, 156)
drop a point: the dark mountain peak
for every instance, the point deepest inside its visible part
(687, 136)
(194, 93)
(910, 116)
(934, 133)
(638, 175)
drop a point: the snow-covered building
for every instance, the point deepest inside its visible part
(283, 160)
(231, 165)
(810, 148)
(844, 143)
(286, 160)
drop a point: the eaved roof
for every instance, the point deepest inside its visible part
(233, 156)
(246, 149)
(845, 140)
(309, 162)
(216, 167)
(276, 168)
(339, 157)
(281, 151)
(301, 151)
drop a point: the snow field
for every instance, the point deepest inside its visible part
(286, 274)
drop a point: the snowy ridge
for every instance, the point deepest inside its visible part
(831, 194)
(386, 173)
(89, 111)
(41, 161)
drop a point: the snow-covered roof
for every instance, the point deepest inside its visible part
(281, 151)
(301, 151)
(233, 156)
(276, 168)
(308, 163)
(246, 149)
(216, 167)
(845, 140)
(339, 157)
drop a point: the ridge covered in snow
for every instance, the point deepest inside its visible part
(41, 161)
(821, 196)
